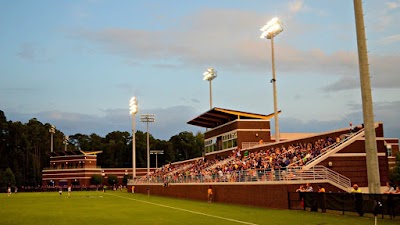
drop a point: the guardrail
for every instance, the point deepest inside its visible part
(223, 162)
(330, 148)
(336, 178)
(255, 175)
(72, 168)
(336, 147)
(246, 145)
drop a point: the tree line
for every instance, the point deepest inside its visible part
(24, 148)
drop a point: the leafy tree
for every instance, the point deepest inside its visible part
(112, 179)
(186, 145)
(95, 143)
(141, 148)
(115, 152)
(24, 147)
(4, 139)
(80, 141)
(395, 175)
(8, 177)
(39, 143)
(96, 179)
(125, 179)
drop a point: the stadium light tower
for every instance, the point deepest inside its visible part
(147, 118)
(368, 111)
(65, 142)
(210, 75)
(133, 106)
(269, 31)
(52, 131)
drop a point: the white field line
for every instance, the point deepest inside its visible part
(185, 210)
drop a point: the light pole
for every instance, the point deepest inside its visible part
(147, 118)
(210, 75)
(270, 30)
(52, 131)
(372, 160)
(133, 106)
(157, 152)
(65, 142)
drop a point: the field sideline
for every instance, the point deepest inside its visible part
(44, 208)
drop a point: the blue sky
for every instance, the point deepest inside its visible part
(76, 64)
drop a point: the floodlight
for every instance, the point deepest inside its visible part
(272, 28)
(210, 74)
(133, 106)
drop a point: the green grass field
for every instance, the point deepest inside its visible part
(124, 208)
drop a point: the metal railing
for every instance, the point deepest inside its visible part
(71, 168)
(223, 162)
(185, 167)
(336, 178)
(343, 143)
(337, 146)
(246, 145)
(256, 175)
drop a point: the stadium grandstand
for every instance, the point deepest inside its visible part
(246, 166)
(243, 162)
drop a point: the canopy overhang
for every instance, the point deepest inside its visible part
(218, 116)
(73, 152)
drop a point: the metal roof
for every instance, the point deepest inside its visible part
(73, 152)
(219, 116)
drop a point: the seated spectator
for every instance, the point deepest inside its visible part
(309, 188)
(390, 189)
(301, 189)
(355, 189)
(321, 189)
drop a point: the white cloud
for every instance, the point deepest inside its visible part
(391, 39)
(385, 112)
(384, 17)
(228, 38)
(296, 6)
(173, 120)
(169, 121)
(392, 5)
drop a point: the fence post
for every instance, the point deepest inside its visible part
(342, 203)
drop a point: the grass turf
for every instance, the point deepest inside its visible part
(124, 208)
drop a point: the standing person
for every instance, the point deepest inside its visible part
(60, 190)
(355, 189)
(351, 128)
(301, 189)
(358, 199)
(390, 188)
(321, 195)
(390, 202)
(15, 190)
(9, 190)
(209, 193)
(313, 201)
(309, 188)
(69, 191)
(133, 189)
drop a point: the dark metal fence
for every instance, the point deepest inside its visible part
(378, 204)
